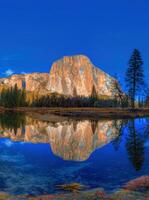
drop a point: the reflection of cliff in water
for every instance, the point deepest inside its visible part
(71, 140)
(76, 140)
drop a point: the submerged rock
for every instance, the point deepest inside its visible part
(127, 195)
(140, 184)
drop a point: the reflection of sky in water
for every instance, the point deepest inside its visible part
(33, 168)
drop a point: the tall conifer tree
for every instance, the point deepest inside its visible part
(134, 76)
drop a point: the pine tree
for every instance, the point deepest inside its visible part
(13, 97)
(94, 96)
(134, 76)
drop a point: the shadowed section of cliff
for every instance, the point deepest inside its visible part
(70, 140)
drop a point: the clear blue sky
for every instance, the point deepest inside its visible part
(35, 33)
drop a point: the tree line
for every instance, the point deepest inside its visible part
(13, 97)
(135, 95)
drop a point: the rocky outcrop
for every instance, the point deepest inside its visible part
(76, 75)
(71, 75)
(35, 82)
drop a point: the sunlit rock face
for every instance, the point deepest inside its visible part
(74, 140)
(76, 75)
(71, 75)
(30, 82)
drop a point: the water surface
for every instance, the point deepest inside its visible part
(36, 155)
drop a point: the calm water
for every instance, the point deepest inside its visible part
(35, 156)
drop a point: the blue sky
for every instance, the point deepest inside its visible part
(33, 34)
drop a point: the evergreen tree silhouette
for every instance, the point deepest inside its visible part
(134, 76)
(94, 94)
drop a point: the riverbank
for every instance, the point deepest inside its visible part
(84, 113)
(96, 194)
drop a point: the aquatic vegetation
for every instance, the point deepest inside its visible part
(72, 187)
(140, 184)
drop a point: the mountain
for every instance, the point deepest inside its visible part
(76, 75)
(35, 82)
(71, 75)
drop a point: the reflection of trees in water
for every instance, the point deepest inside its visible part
(146, 129)
(135, 137)
(135, 140)
(135, 145)
(12, 120)
(119, 126)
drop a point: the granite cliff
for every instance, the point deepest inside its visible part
(71, 75)
(35, 82)
(76, 75)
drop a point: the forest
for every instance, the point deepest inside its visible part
(135, 96)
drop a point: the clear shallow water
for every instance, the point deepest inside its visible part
(35, 156)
